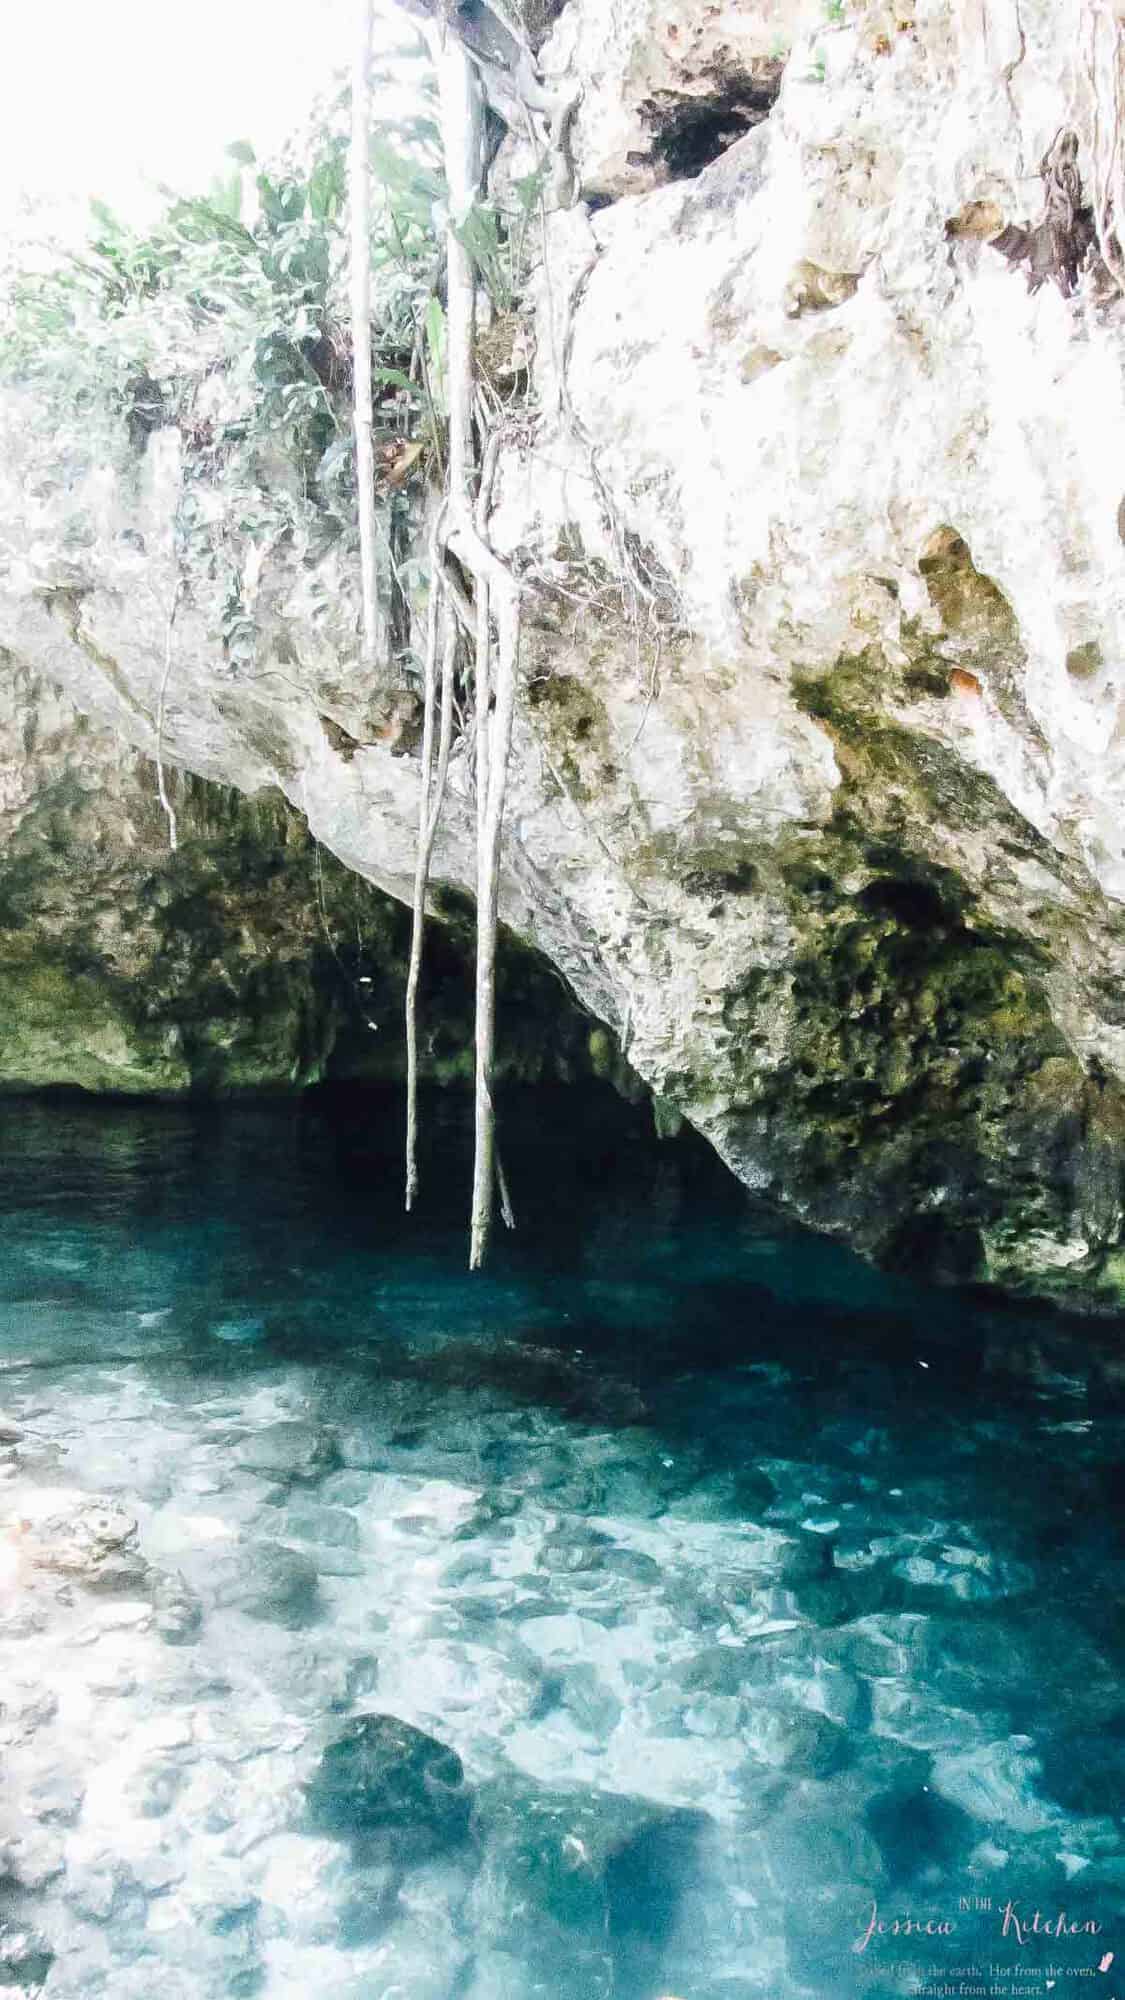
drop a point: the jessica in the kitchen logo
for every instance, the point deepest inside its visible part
(1014, 1921)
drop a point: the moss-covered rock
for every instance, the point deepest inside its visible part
(919, 1094)
(247, 960)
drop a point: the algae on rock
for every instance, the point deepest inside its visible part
(249, 960)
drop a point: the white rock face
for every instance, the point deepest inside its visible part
(820, 519)
(654, 81)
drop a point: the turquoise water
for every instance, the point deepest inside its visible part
(656, 1615)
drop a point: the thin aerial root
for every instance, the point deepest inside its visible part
(421, 873)
(359, 194)
(498, 725)
(507, 1212)
(161, 786)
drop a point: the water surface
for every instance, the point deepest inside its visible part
(755, 1594)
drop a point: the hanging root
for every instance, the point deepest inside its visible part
(507, 1212)
(161, 787)
(359, 190)
(421, 871)
(1106, 80)
(496, 727)
(439, 621)
(462, 527)
(495, 600)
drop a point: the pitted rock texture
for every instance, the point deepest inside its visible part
(817, 796)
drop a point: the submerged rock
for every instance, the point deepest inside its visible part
(920, 1833)
(333, 1527)
(266, 1580)
(799, 1741)
(997, 1782)
(1086, 1773)
(289, 1450)
(330, 1534)
(89, 1539)
(25, 1958)
(382, 1777)
(586, 1884)
(500, 1975)
(177, 1608)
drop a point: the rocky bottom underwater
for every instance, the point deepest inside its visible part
(679, 1609)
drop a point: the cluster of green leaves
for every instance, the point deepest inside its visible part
(497, 239)
(228, 320)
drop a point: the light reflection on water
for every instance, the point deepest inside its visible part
(763, 1600)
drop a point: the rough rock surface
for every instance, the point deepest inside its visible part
(817, 797)
(382, 1776)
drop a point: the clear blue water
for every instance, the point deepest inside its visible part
(753, 1594)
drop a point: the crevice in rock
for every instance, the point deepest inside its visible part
(689, 133)
(912, 903)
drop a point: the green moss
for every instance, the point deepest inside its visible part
(601, 1051)
(577, 732)
(900, 1076)
(909, 1083)
(1084, 662)
(62, 1027)
(246, 961)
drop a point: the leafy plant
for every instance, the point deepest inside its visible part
(227, 322)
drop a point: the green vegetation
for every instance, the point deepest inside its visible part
(226, 323)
